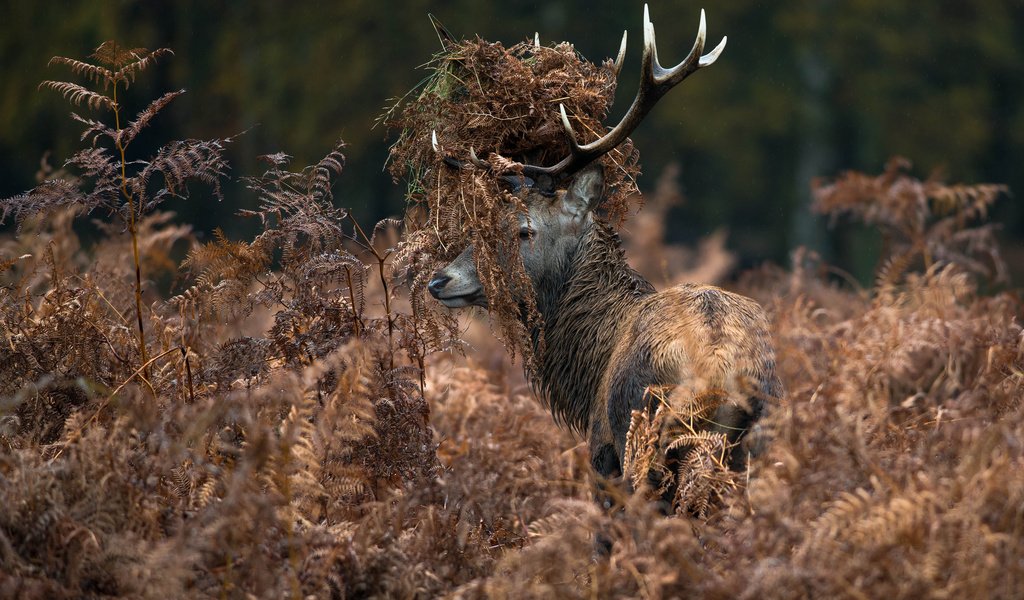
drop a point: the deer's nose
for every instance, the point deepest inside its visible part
(437, 283)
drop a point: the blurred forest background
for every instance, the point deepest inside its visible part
(805, 88)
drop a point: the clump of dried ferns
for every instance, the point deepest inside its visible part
(282, 393)
(923, 222)
(118, 183)
(672, 448)
(501, 103)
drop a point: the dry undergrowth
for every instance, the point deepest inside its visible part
(279, 444)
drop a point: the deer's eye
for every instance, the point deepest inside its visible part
(525, 233)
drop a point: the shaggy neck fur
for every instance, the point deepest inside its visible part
(582, 306)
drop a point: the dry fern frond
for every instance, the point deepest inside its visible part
(94, 73)
(48, 197)
(179, 162)
(94, 129)
(671, 454)
(142, 120)
(77, 95)
(113, 54)
(921, 220)
(129, 62)
(640, 455)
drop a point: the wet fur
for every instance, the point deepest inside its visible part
(609, 335)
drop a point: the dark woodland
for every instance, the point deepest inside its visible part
(220, 375)
(806, 90)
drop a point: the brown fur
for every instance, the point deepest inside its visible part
(609, 336)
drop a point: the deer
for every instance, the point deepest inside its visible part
(609, 336)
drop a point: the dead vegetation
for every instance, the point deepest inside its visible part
(294, 431)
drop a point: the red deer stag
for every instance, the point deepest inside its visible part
(608, 335)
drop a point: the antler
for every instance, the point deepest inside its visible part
(655, 82)
(516, 181)
(458, 164)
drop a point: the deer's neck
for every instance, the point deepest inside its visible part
(583, 308)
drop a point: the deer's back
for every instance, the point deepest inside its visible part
(695, 339)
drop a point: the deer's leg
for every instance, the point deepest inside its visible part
(734, 421)
(603, 458)
(605, 462)
(626, 391)
(755, 437)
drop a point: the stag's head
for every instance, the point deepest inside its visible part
(560, 209)
(549, 232)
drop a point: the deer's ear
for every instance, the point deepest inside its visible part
(585, 191)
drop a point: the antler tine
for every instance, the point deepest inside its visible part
(482, 164)
(451, 162)
(655, 82)
(693, 61)
(617, 67)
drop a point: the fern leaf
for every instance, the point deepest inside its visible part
(98, 165)
(94, 73)
(78, 95)
(842, 512)
(328, 167)
(387, 227)
(44, 198)
(143, 61)
(181, 161)
(702, 437)
(93, 129)
(277, 159)
(142, 120)
(115, 55)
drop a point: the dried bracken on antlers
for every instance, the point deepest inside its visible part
(484, 110)
(655, 82)
(505, 165)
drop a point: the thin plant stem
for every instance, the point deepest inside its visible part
(381, 258)
(188, 371)
(131, 230)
